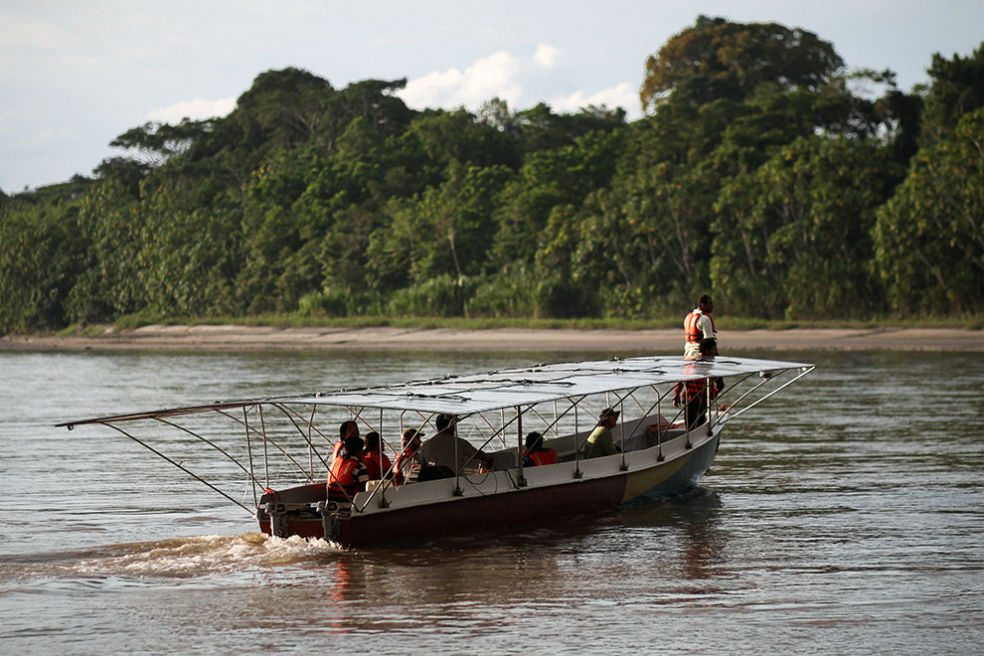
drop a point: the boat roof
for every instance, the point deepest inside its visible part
(504, 388)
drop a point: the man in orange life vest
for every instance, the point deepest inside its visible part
(535, 455)
(698, 325)
(693, 393)
(347, 475)
(346, 430)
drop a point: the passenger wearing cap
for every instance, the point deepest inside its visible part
(411, 465)
(600, 441)
(403, 468)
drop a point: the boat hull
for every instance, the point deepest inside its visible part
(539, 501)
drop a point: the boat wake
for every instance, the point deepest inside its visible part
(179, 558)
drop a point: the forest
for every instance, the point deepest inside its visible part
(764, 172)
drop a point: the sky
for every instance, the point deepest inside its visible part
(74, 74)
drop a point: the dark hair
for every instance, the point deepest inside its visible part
(354, 444)
(343, 428)
(607, 414)
(408, 436)
(444, 420)
(703, 299)
(372, 440)
(707, 345)
(534, 441)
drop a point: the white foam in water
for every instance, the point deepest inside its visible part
(198, 556)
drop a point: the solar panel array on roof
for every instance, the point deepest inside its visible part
(506, 388)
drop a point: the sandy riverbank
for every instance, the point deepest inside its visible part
(242, 338)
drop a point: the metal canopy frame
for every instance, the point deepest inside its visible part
(502, 389)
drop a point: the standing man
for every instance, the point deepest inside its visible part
(693, 394)
(698, 326)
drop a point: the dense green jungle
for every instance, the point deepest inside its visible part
(764, 171)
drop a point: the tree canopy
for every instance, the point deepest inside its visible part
(760, 173)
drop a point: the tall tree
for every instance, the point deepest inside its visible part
(793, 238)
(957, 89)
(716, 58)
(929, 239)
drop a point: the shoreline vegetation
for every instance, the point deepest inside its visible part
(764, 171)
(423, 334)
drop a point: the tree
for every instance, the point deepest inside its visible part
(40, 254)
(793, 238)
(446, 230)
(929, 238)
(719, 59)
(551, 178)
(956, 90)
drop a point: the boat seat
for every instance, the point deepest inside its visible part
(304, 494)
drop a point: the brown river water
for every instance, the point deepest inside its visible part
(843, 516)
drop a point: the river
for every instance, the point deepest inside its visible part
(844, 516)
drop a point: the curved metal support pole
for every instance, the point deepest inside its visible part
(178, 465)
(803, 372)
(211, 444)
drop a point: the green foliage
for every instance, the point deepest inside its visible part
(956, 91)
(341, 302)
(442, 296)
(719, 59)
(39, 260)
(756, 176)
(929, 238)
(793, 238)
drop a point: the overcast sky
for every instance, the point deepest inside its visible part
(75, 74)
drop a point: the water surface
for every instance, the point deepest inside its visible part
(844, 517)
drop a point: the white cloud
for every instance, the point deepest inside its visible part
(36, 34)
(489, 77)
(199, 108)
(546, 56)
(503, 75)
(622, 95)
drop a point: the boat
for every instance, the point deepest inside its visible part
(280, 450)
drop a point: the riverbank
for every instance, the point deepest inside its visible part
(242, 338)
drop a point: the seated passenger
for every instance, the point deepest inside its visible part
(535, 455)
(408, 457)
(441, 449)
(376, 462)
(347, 475)
(411, 465)
(345, 429)
(600, 441)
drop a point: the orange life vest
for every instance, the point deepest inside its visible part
(343, 482)
(402, 467)
(542, 457)
(375, 465)
(693, 331)
(339, 445)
